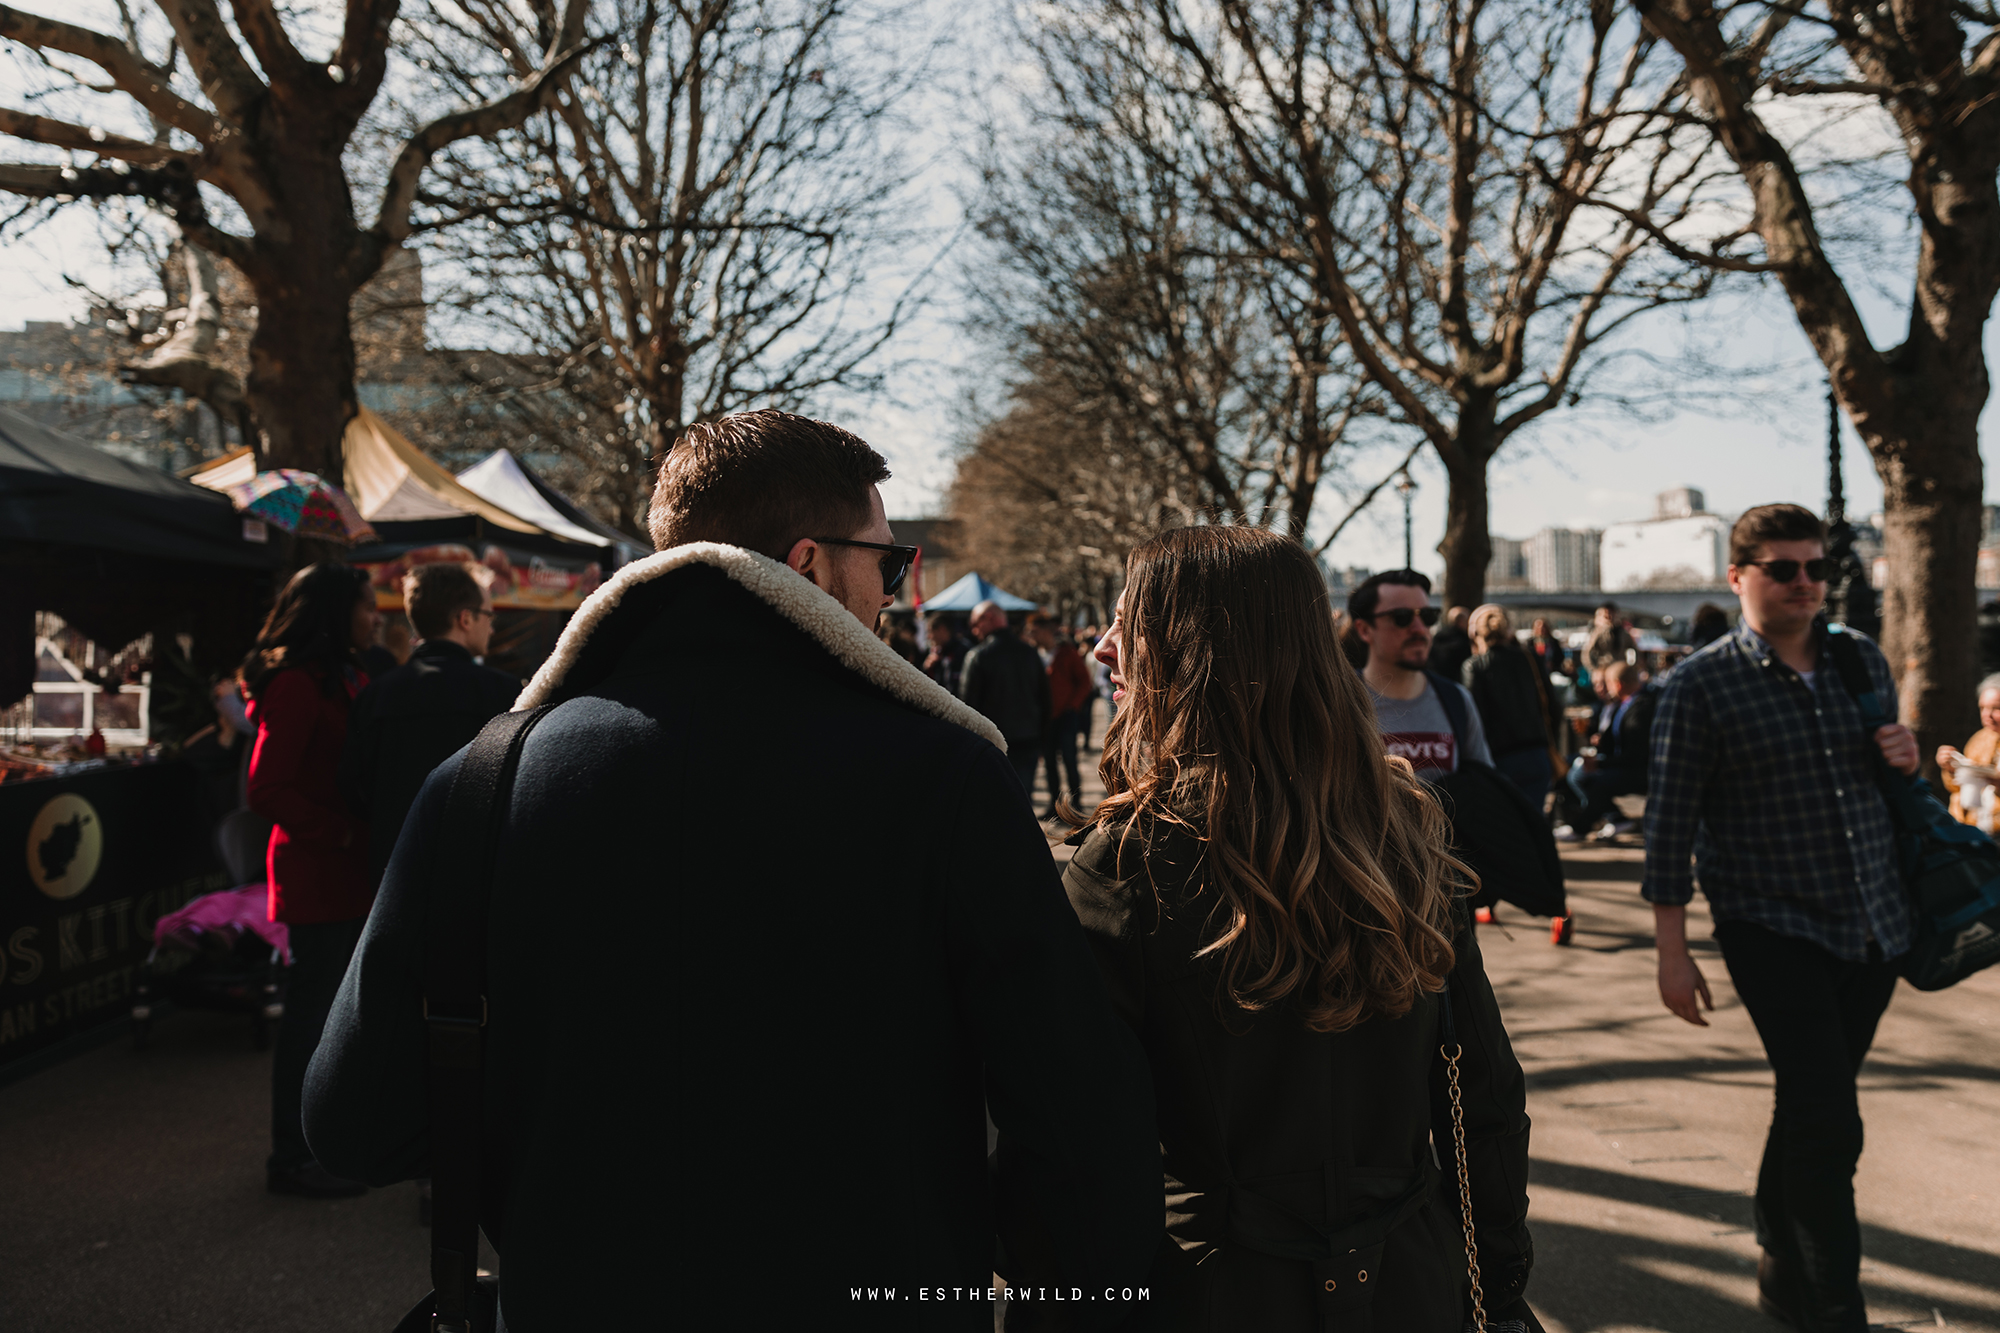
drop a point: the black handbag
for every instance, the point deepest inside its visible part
(455, 1017)
(1951, 870)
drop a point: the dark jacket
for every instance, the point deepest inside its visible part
(317, 858)
(1504, 688)
(736, 1052)
(1005, 680)
(1623, 736)
(1449, 650)
(1269, 1130)
(406, 724)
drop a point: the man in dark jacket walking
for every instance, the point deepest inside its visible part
(425, 711)
(735, 1056)
(1005, 681)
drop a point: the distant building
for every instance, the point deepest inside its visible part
(1563, 559)
(1508, 567)
(1681, 546)
(1343, 579)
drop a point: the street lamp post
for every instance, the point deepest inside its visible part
(1408, 490)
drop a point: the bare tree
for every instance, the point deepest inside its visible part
(1108, 269)
(1416, 173)
(1933, 69)
(1051, 495)
(252, 169)
(697, 225)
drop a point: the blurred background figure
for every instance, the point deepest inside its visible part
(946, 659)
(1005, 680)
(1071, 688)
(301, 680)
(1614, 763)
(1452, 644)
(1972, 793)
(1710, 623)
(1508, 690)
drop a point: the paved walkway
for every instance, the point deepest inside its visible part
(133, 1184)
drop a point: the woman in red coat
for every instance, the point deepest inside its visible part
(300, 679)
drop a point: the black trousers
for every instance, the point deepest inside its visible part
(1061, 747)
(1025, 754)
(1817, 1015)
(319, 961)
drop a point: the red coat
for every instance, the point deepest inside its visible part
(1070, 683)
(317, 862)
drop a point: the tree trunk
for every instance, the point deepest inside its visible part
(1932, 489)
(1467, 546)
(301, 386)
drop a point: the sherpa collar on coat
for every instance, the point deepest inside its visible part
(792, 596)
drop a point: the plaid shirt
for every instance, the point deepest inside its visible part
(1768, 785)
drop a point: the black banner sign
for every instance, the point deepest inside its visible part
(87, 864)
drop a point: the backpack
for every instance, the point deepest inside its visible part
(1951, 870)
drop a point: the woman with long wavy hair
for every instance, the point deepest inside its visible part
(1276, 912)
(300, 679)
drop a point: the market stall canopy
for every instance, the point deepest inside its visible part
(390, 480)
(64, 492)
(511, 484)
(118, 550)
(970, 591)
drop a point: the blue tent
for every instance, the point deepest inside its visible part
(970, 591)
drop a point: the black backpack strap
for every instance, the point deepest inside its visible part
(1846, 655)
(455, 1004)
(1452, 702)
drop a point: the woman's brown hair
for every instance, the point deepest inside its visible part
(1243, 723)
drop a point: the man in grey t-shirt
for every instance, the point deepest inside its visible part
(1393, 615)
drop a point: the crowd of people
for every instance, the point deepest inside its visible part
(1259, 970)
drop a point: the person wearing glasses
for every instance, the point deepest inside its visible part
(420, 714)
(1764, 793)
(1393, 616)
(715, 1003)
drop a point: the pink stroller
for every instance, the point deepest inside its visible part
(218, 952)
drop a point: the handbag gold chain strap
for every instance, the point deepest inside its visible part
(1464, 1185)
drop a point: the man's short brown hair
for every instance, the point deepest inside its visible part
(434, 594)
(1773, 523)
(763, 481)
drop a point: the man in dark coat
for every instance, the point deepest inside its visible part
(736, 1054)
(425, 711)
(1006, 682)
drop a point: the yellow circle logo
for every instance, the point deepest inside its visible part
(65, 844)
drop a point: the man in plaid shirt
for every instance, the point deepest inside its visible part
(1763, 789)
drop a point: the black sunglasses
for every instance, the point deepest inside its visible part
(1784, 571)
(1403, 615)
(895, 561)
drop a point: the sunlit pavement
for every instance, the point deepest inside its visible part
(1648, 1131)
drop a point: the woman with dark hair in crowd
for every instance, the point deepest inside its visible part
(300, 679)
(1710, 623)
(1508, 691)
(1273, 905)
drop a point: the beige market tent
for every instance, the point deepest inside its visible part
(389, 479)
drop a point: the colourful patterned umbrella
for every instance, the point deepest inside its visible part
(303, 503)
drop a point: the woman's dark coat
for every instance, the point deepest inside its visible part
(1509, 697)
(773, 927)
(1273, 1134)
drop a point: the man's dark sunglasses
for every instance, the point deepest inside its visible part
(1403, 615)
(1784, 571)
(895, 560)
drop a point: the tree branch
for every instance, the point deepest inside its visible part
(392, 222)
(62, 134)
(145, 83)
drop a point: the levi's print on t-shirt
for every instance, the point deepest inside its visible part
(1424, 749)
